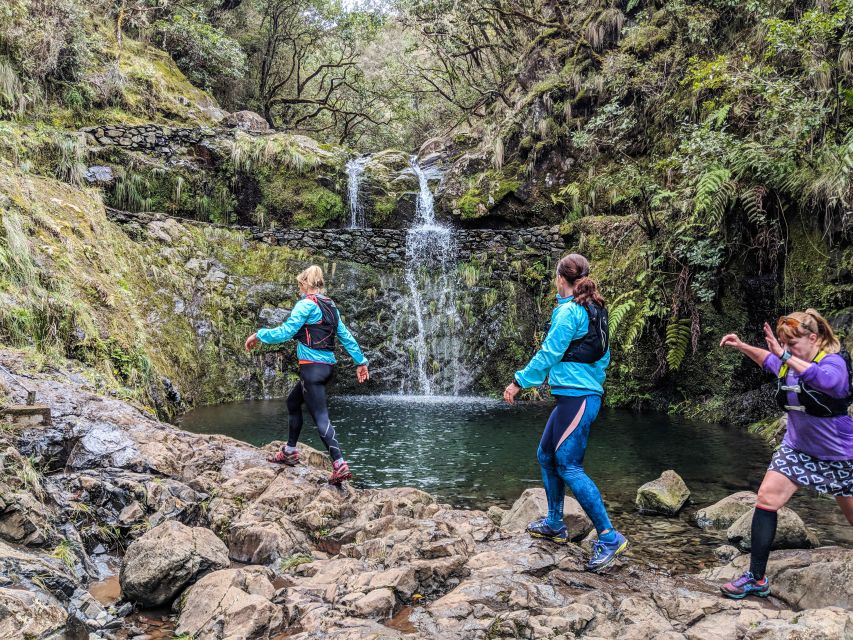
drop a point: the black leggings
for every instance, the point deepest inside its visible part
(311, 389)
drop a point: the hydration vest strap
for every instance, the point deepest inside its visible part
(783, 370)
(799, 407)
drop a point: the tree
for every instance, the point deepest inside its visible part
(304, 64)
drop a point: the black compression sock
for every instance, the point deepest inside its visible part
(763, 532)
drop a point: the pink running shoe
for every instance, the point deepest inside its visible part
(340, 472)
(283, 457)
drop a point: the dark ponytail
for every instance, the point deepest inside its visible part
(575, 269)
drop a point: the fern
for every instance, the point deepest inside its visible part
(619, 309)
(753, 204)
(638, 323)
(677, 342)
(714, 193)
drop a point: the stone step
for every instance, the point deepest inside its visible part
(27, 415)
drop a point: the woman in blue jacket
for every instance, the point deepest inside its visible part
(573, 357)
(315, 323)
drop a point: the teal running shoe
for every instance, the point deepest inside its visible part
(605, 553)
(540, 529)
(746, 585)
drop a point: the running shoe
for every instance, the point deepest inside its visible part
(746, 585)
(540, 529)
(605, 553)
(291, 459)
(340, 472)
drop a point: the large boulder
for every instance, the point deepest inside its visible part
(723, 514)
(664, 496)
(533, 504)
(791, 532)
(27, 614)
(168, 558)
(232, 603)
(247, 121)
(804, 578)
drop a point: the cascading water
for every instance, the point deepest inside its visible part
(355, 171)
(431, 279)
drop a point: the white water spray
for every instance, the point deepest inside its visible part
(431, 278)
(355, 171)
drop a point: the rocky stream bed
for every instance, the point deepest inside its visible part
(116, 525)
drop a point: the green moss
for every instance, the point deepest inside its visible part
(320, 207)
(383, 208)
(486, 191)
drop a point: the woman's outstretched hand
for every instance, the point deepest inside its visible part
(361, 373)
(772, 343)
(731, 340)
(510, 392)
(252, 342)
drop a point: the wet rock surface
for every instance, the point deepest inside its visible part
(339, 563)
(723, 514)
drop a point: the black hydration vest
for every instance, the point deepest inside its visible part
(811, 401)
(321, 335)
(591, 347)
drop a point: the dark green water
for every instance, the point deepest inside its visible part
(476, 452)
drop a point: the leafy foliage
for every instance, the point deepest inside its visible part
(677, 342)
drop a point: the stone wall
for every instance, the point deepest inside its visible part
(387, 247)
(152, 138)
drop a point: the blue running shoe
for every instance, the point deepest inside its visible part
(540, 529)
(604, 553)
(746, 585)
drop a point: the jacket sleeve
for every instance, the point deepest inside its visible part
(556, 342)
(829, 376)
(284, 332)
(349, 343)
(772, 364)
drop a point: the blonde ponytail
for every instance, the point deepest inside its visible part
(825, 335)
(311, 278)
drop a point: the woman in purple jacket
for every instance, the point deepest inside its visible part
(813, 386)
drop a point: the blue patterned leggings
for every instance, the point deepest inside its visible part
(561, 452)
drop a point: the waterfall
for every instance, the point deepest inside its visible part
(431, 278)
(355, 170)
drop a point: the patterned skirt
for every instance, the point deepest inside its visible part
(833, 477)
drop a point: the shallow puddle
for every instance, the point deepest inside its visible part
(401, 622)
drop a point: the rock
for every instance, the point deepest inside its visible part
(130, 514)
(88, 610)
(378, 604)
(726, 552)
(806, 579)
(496, 514)
(722, 514)
(664, 496)
(25, 614)
(533, 504)
(273, 317)
(264, 542)
(165, 559)
(247, 121)
(232, 603)
(826, 624)
(791, 532)
(99, 176)
(32, 569)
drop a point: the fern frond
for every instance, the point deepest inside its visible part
(714, 194)
(753, 204)
(616, 315)
(677, 342)
(638, 323)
